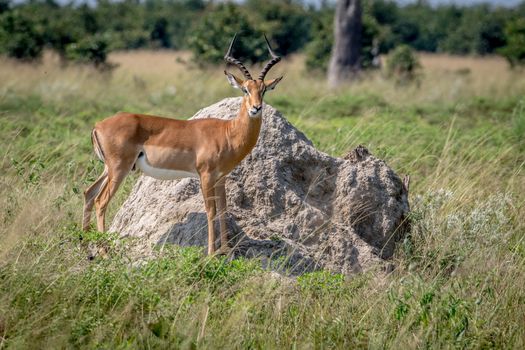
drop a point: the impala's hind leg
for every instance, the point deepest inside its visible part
(89, 198)
(107, 191)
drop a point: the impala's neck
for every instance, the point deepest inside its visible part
(244, 129)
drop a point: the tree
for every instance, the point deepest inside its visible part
(319, 49)
(212, 35)
(21, 36)
(91, 50)
(286, 21)
(514, 51)
(346, 52)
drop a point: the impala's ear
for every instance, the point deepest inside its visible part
(271, 84)
(234, 81)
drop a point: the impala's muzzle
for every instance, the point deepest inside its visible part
(255, 110)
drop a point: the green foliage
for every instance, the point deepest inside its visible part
(60, 25)
(75, 30)
(93, 50)
(403, 64)
(321, 282)
(449, 28)
(212, 35)
(477, 31)
(420, 27)
(27, 27)
(319, 49)
(370, 41)
(287, 22)
(514, 51)
(20, 35)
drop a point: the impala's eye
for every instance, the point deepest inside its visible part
(244, 90)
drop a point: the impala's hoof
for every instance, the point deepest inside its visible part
(224, 251)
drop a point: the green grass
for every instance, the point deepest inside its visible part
(458, 278)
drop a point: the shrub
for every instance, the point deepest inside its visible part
(403, 64)
(514, 51)
(91, 49)
(128, 40)
(287, 22)
(212, 36)
(320, 47)
(62, 31)
(478, 31)
(21, 36)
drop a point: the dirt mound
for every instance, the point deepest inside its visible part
(293, 206)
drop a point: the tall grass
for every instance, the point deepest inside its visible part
(458, 278)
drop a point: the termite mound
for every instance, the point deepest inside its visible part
(291, 205)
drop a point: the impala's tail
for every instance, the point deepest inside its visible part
(96, 146)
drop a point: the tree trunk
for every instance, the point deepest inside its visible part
(346, 52)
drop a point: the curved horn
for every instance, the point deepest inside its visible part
(272, 62)
(229, 59)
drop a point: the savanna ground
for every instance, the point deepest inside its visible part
(459, 279)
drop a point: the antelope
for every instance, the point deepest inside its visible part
(166, 149)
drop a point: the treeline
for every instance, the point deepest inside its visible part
(87, 33)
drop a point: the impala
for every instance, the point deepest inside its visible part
(167, 149)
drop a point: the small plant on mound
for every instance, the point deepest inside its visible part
(321, 282)
(403, 65)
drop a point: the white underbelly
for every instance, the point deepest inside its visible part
(160, 173)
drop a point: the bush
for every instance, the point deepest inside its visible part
(370, 41)
(91, 49)
(403, 64)
(514, 51)
(478, 31)
(287, 22)
(320, 47)
(212, 36)
(21, 36)
(62, 30)
(128, 40)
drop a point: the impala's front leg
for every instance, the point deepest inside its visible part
(207, 186)
(220, 195)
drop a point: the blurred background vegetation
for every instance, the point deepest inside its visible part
(87, 32)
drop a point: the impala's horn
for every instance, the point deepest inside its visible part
(272, 62)
(229, 59)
